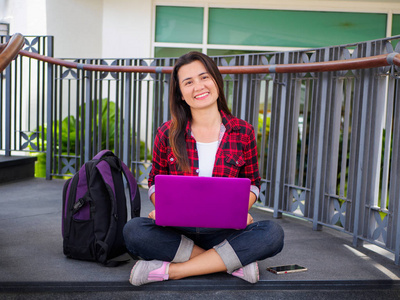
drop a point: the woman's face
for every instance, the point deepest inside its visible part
(197, 86)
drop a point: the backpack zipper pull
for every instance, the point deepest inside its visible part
(78, 205)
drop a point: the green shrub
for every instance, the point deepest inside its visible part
(69, 135)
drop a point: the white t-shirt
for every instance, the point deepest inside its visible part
(206, 153)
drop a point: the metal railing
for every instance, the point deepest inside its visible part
(327, 123)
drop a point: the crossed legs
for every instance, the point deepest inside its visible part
(180, 257)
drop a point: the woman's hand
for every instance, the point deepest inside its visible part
(249, 219)
(152, 215)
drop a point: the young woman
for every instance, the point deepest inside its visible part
(202, 139)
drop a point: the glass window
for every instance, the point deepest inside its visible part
(179, 24)
(221, 52)
(282, 28)
(172, 52)
(4, 29)
(396, 25)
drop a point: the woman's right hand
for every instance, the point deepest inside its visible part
(152, 215)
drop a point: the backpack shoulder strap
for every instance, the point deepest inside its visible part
(133, 191)
(81, 190)
(105, 172)
(102, 246)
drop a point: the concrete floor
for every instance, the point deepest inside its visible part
(33, 266)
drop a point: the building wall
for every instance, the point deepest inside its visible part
(74, 23)
(127, 28)
(85, 28)
(25, 16)
(76, 27)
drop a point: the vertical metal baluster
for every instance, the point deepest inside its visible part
(277, 174)
(88, 115)
(49, 114)
(358, 200)
(127, 115)
(395, 179)
(8, 110)
(318, 175)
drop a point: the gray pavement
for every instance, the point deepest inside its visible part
(32, 264)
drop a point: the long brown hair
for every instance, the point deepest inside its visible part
(180, 110)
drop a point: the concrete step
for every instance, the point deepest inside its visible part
(16, 167)
(204, 289)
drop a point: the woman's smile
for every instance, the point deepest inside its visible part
(202, 96)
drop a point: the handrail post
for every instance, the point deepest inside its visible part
(88, 116)
(243, 101)
(318, 180)
(277, 175)
(397, 245)
(166, 93)
(395, 188)
(360, 156)
(49, 116)
(127, 118)
(8, 112)
(14, 43)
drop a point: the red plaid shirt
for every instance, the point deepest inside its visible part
(236, 155)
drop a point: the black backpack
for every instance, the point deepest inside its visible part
(95, 209)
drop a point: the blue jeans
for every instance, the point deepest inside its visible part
(237, 248)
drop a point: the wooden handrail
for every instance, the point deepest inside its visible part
(10, 50)
(337, 65)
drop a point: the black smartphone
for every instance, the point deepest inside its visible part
(286, 269)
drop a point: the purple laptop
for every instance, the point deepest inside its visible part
(192, 201)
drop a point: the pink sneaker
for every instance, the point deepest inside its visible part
(145, 271)
(249, 273)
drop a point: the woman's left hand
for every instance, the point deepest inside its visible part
(249, 219)
(152, 215)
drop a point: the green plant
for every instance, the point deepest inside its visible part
(69, 138)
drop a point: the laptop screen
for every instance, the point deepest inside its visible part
(192, 201)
